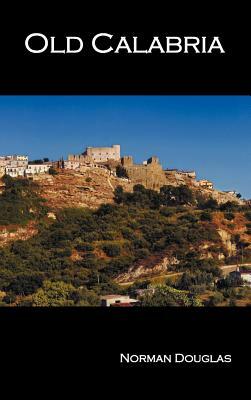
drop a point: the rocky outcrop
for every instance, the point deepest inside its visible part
(226, 239)
(146, 271)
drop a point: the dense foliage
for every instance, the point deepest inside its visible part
(20, 202)
(73, 259)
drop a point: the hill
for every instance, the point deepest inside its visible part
(61, 233)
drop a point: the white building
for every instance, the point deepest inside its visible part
(13, 161)
(14, 157)
(14, 172)
(17, 163)
(204, 183)
(232, 192)
(116, 300)
(34, 169)
(71, 165)
(20, 158)
(246, 276)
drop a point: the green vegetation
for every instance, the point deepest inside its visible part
(164, 296)
(53, 171)
(229, 215)
(121, 172)
(20, 202)
(168, 196)
(40, 161)
(72, 260)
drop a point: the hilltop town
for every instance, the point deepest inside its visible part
(106, 165)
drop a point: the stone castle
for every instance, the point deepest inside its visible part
(150, 173)
(97, 154)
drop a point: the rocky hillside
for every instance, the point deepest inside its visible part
(82, 234)
(89, 188)
(95, 186)
(92, 187)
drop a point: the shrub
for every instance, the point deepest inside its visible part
(229, 216)
(206, 216)
(111, 250)
(121, 172)
(208, 204)
(53, 171)
(141, 253)
(215, 299)
(85, 247)
(248, 215)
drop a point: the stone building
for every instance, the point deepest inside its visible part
(97, 154)
(150, 173)
(103, 154)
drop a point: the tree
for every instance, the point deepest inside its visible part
(25, 284)
(53, 171)
(165, 296)
(206, 216)
(210, 204)
(121, 172)
(54, 294)
(119, 195)
(111, 249)
(229, 215)
(172, 195)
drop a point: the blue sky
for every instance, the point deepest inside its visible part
(211, 134)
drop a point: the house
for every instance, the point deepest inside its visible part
(117, 300)
(204, 183)
(13, 161)
(14, 172)
(34, 169)
(246, 277)
(231, 192)
(189, 174)
(72, 165)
